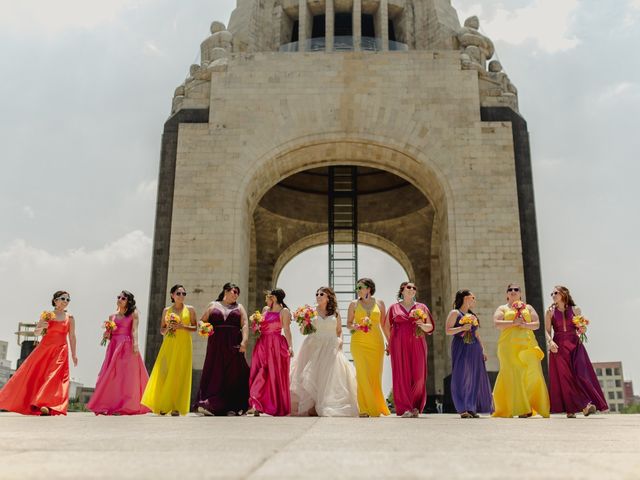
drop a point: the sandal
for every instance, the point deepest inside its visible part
(466, 415)
(571, 415)
(589, 410)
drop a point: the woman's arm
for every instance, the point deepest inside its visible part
(134, 331)
(451, 321)
(244, 326)
(484, 355)
(499, 321)
(338, 325)
(428, 326)
(163, 326)
(548, 322)
(534, 324)
(285, 316)
(386, 324)
(351, 314)
(72, 340)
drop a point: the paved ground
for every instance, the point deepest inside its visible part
(82, 446)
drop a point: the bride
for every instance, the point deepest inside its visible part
(323, 381)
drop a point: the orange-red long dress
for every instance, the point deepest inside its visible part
(43, 379)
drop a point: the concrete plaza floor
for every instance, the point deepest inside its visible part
(82, 446)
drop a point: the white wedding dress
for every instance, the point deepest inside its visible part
(321, 376)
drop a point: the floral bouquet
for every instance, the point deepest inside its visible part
(304, 317)
(520, 307)
(46, 317)
(205, 329)
(109, 326)
(469, 319)
(255, 321)
(171, 330)
(581, 324)
(419, 315)
(364, 325)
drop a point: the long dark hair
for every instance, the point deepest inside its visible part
(566, 296)
(332, 301)
(279, 294)
(457, 303)
(57, 295)
(131, 302)
(174, 289)
(227, 286)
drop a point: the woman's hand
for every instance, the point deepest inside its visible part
(291, 352)
(466, 327)
(75, 360)
(243, 346)
(135, 348)
(387, 349)
(484, 356)
(553, 347)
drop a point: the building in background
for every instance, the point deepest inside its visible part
(5, 365)
(611, 378)
(628, 393)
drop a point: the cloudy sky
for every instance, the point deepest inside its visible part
(87, 87)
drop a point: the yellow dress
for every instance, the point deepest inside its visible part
(169, 386)
(367, 350)
(520, 387)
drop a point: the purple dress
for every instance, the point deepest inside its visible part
(572, 380)
(224, 386)
(123, 376)
(470, 386)
(269, 380)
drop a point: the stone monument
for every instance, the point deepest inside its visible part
(397, 88)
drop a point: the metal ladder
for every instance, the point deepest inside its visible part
(343, 241)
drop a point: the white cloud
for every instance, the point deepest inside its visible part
(28, 212)
(93, 277)
(49, 16)
(147, 188)
(547, 22)
(151, 49)
(625, 91)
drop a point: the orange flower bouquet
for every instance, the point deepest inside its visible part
(419, 315)
(304, 317)
(255, 321)
(205, 329)
(469, 319)
(581, 324)
(46, 317)
(109, 326)
(520, 308)
(169, 323)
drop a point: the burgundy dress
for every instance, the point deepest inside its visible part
(269, 380)
(572, 379)
(224, 386)
(408, 359)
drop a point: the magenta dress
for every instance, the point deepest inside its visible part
(123, 376)
(408, 360)
(573, 382)
(269, 378)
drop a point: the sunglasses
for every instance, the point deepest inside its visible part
(513, 289)
(122, 297)
(320, 294)
(411, 287)
(361, 287)
(553, 294)
(180, 294)
(64, 299)
(234, 291)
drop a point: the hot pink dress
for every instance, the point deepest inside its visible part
(269, 379)
(123, 376)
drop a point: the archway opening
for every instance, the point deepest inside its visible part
(307, 271)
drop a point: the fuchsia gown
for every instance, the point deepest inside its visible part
(408, 359)
(123, 376)
(43, 379)
(269, 378)
(573, 382)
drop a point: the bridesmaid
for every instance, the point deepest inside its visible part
(470, 386)
(269, 378)
(123, 376)
(574, 385)
(408, 351)
(520, 389)
(224, 386)
(323, 382)
(169, 387)
(367, 349)
(41, 385)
